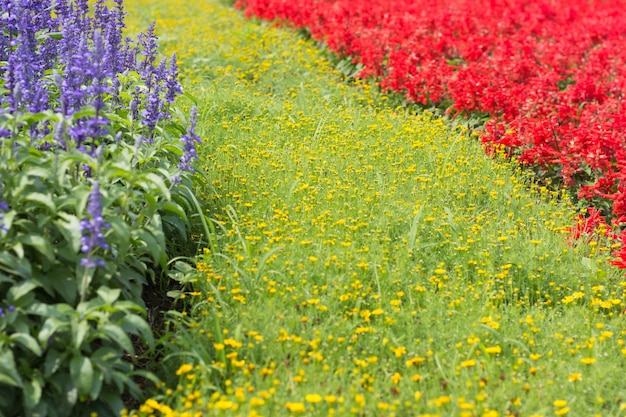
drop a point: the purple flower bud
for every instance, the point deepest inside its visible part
(149, 47)
(134, 103)
(92, 229)
(152, 113)
(172, 85)
(9, 309)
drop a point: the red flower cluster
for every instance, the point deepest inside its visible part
(551, 74)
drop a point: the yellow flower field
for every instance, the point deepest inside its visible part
(368, 261)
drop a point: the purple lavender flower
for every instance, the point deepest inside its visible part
(78, 71)
(148, 47)
(172, 86)
(88, 130)
(92, 230)
(189, 141)
(25, 64)
(113, 29)
(135, 102)
(153, 111)
(9, 309)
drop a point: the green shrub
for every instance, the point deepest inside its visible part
(94, 205)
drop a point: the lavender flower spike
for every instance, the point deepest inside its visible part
(189, 140)
(93, 230)
(173, 87)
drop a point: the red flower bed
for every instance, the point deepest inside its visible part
(551, 74)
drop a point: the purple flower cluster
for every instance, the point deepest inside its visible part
(9, 309)
(61, 58)
(86, 54)
(162, 88)
(92, 230)
(189, 141)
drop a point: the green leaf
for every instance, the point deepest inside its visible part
(141, 326)
(14, 265)
(69, 226)
(147, 375)
(150, 244)
(18, 248)
(171, 207)
(49, 328)
(62, 282)
(588, 263)
(43, 199)
(40, 244)
(8, 371)
(46, 310)
(121, 234)
(109, 295)
(81, 371)
(19, 290)
(175, 223)
(28, 342)
(32, 392)
(53, 361)
(96, 386)
(79, 332)
(159, 183)
(117, 335)
(175, 294)
(103, 356)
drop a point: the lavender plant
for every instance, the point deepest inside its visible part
(94, 182)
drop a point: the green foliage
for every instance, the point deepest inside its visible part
(67, 343)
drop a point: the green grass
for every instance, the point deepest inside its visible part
(368, 261)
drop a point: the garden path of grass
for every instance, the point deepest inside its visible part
(368, 261)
